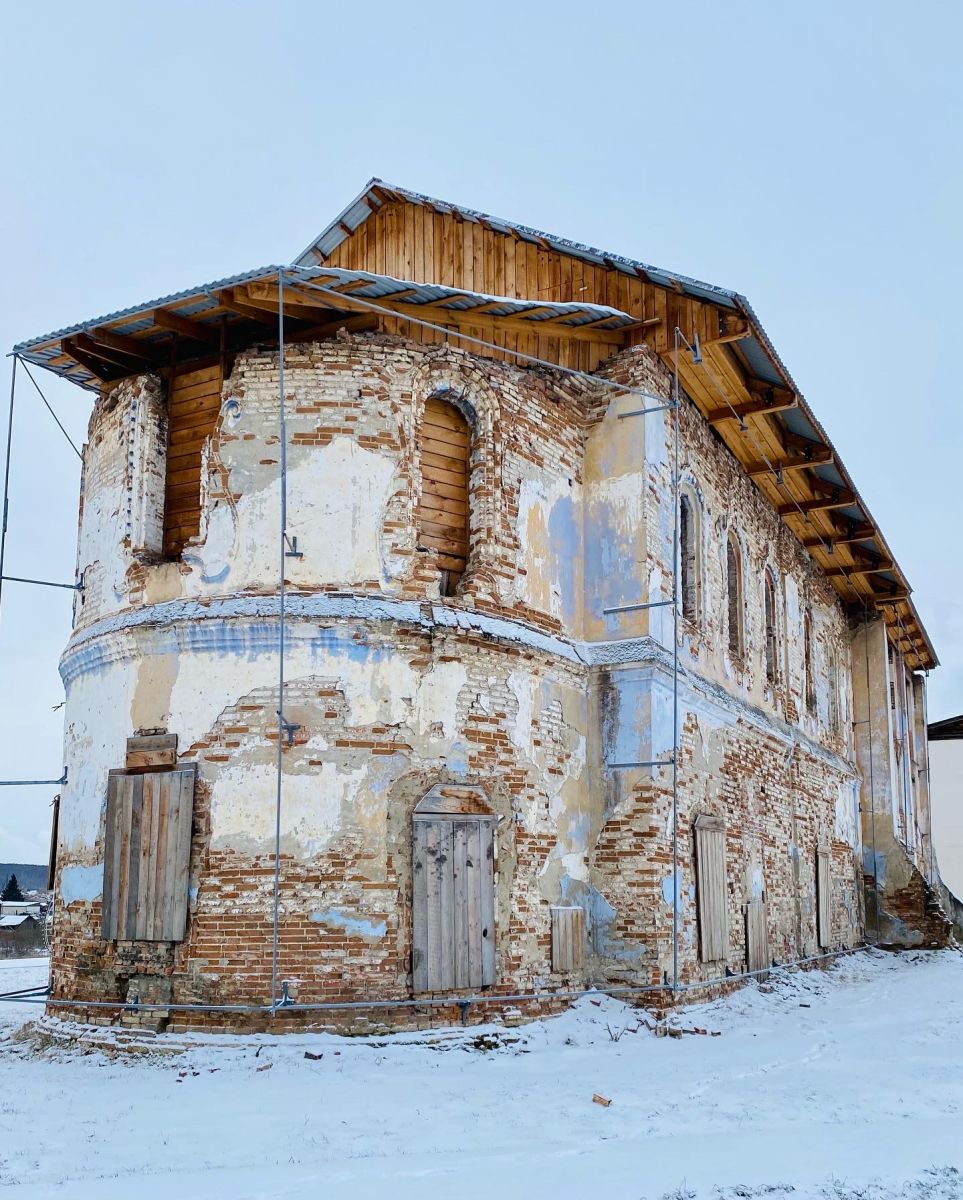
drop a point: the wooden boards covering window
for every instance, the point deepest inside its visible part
(147, 855)
(194, 401)
(453, 918)
(824, 885)
(568, 939)
(443, 512)
(710, 844)
(757, 936)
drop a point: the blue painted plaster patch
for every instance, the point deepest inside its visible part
(81, 883)
(679, 891)
(341, 920)
(457, 758)
(565, 538)
(874, 865)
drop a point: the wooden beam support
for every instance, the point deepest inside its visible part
(186, 327)
(751, 408)
(97, 367)
(837, 498)
(264, 303)
(796, 462)
(867, 568)
(839, 537)
(129, 346)
(351, 324)
(898, 593)
(437, 313)
(126, 363)
(227, 300)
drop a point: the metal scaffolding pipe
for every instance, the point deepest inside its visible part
(434, 1001)
(282, 540)
(6, 471)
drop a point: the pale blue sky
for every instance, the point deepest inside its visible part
(808, 155)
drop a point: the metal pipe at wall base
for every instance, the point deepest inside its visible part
(438, 1001)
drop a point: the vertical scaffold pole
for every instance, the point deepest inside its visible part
(282, 552)
(872, 781)
(676, 555)
(6, 471)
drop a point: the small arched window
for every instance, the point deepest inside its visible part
(688, 559)
(809, 683)
(769, 606)
(734, 596)
(443, 512)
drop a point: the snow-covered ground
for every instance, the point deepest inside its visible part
(843, 1083)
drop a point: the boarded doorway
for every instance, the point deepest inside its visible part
(453, 867)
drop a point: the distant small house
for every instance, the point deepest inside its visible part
(20, 935)
(946, 792)
(21, 908)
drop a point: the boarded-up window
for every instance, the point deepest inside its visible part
(824, 892)
(688, 559)
(757, 936)
(443, 512)
(734, 596)
(453, 921)
(710, 844)
(772, 645)
(194, 402)
(809, 681)
(568, 939)
(147, 855)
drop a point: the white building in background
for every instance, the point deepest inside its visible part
(946, 798)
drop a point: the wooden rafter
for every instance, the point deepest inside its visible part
(437, 312)
(129, 348)
(187, 327)
(750, 408)
(796, 462)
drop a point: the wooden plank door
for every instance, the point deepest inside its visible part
(453, 915)
(147, 855)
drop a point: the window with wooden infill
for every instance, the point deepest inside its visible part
(710, 848)
(824, 904)
(443, 511)
(194, 401)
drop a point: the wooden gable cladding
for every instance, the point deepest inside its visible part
(147, 855)
(445, 442)
(422, 242)
(409, 241)
(194, 402)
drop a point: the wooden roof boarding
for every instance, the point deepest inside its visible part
(436, 271)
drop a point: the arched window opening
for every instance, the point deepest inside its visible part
(809, 683)
(688, 559)
(734, 595)
(443, 512)
(769, 602)
(833, 692)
